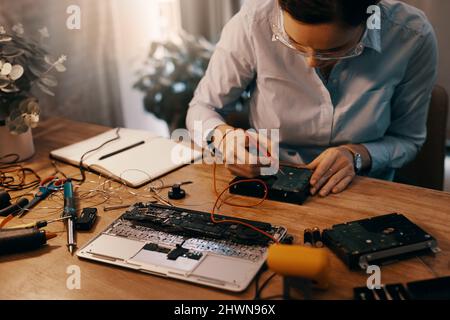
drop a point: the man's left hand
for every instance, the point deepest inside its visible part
(333, 171)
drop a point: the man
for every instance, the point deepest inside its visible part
(347, 99)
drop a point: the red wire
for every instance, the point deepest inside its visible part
(219, 196)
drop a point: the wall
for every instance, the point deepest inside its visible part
(438, 13)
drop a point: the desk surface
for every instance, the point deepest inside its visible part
(42, 274)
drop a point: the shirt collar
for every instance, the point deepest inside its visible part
(372, 39)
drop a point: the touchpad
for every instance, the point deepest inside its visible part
(114, 247)
(226, 269)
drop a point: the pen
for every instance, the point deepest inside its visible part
(121, 150)
(70, 211)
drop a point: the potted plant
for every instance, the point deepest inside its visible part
(171, 74)
(24, 66)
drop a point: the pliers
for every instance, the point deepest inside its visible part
(46, 187)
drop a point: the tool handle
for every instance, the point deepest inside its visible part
(19, 240)
(14, 208)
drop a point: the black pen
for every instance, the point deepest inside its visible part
(121, 150)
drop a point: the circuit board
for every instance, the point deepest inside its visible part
(166, 228)
(290, 184)
(378, 240)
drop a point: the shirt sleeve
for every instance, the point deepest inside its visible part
(230, 70)
(410, 103)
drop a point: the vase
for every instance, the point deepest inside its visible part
(15, 147)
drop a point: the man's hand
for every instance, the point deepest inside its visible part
(235, 144)
(333, 171)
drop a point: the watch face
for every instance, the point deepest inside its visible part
(358, 162)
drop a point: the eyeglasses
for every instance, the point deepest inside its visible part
(279, 34)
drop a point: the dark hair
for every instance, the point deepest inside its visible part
(349, 12)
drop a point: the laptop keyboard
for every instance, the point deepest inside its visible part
(171, 227)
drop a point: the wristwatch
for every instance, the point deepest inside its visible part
(357, 160)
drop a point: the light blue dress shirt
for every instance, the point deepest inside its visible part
(379, 99)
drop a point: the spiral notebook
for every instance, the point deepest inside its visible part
(136, 158)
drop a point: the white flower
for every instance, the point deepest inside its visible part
(18, 28)
(44, 32)
(59, 66)
(6, 69)
(31, 120)
(62, 59)
(16, 72)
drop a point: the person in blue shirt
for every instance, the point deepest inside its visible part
(348, 97)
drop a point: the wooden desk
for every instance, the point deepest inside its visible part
(42, 274)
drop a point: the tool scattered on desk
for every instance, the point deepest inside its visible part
(432, 289)
(20, 240)
(5, 200)
(38, 224)
(47, 187)
(14, 208)
(70, 211)
(123, 206)
(176, 193)
(86, 220)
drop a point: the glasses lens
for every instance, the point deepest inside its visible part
(279, 34)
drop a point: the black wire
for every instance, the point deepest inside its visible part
(16, 159)
(82, 169)
(8, 182)
(258, 291)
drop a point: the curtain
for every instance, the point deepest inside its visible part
(89, 89)
(437, 12)
(207, 17)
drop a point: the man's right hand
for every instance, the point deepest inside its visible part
(235, 146)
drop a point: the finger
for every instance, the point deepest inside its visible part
(335, 168)
(312, 165)
(324, 169)
(334, 180)
(235, 150)
(318, 185)
(259, 143)
(341, 186)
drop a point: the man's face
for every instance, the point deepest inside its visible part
(319, 38)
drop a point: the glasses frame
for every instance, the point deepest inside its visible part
(279, 34)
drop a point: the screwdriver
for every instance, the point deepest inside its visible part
(38, 224)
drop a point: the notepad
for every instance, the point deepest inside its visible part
(135, 167)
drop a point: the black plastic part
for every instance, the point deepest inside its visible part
(179, 251)
(86, 220)
(176, 193)
(363, 293)
(434, 289)
(21, 240)
(5, 200)
(397, 292)
(290, 184)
